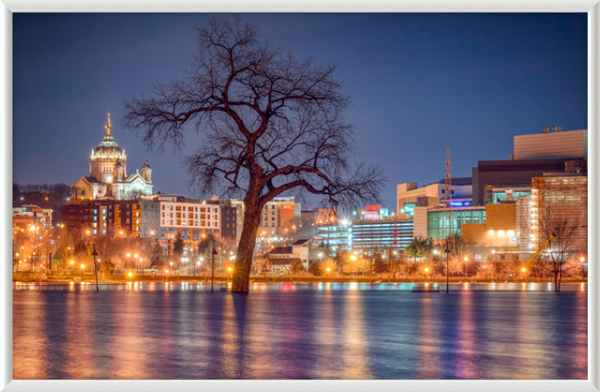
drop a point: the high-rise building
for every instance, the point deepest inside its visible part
(534, 155)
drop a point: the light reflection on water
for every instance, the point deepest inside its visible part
(299, 331)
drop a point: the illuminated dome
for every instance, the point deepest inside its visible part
(108, 149)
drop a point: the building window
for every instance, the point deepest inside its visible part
(95, 231)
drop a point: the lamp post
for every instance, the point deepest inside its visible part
(212, 268)
(82, 267)
(94, 254)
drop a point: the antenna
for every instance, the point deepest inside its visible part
(447, 220)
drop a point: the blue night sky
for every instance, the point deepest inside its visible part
(420, 83)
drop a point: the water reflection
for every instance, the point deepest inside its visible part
(299, 331)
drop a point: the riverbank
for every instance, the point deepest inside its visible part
(23, 278)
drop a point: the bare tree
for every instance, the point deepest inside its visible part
(563, 246)
(455, 265)
(271, 124)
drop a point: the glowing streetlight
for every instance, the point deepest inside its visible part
(523, 269)
(352, 257)
(582, 259)
(229, 269)
(128, 254)
(426, 269)
(130, 274)
(328, 270)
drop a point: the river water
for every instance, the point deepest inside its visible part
(299, 331)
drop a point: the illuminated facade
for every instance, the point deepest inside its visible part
(108, 177)
(371, 236)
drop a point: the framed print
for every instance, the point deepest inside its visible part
(358, 197)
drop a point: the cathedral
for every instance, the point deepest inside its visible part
(108, 177)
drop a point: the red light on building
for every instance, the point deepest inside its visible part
(373, 207)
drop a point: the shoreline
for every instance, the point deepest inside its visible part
(342, 280)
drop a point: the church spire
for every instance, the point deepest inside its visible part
(108, 127)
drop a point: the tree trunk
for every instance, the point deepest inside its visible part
(243, 262)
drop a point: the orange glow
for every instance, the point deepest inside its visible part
(130, 274)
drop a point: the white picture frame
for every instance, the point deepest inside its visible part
(591, 7)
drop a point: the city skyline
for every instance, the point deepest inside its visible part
(91, 63)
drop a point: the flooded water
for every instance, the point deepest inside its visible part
(299, 331)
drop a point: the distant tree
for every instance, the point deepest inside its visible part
(404, 268)
(297, 267)
(178, 245)
(106, 266)
(271, 123)
(573, 267)
(455, 265)
(207, 244)
(263, 265)
(564, 242)
(381, 266)
(419, 247)
(329, 264)
(315, 268)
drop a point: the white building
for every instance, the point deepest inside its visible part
(282, 257)
(108, 177)
(192, 216)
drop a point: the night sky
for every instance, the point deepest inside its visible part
(420, 83)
